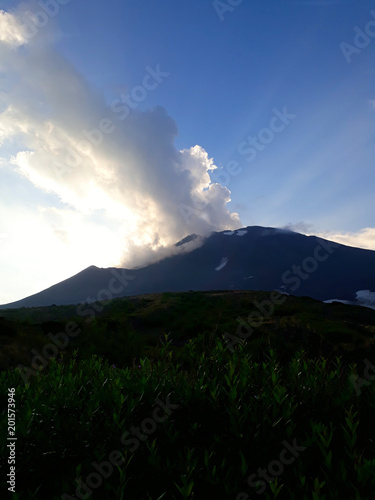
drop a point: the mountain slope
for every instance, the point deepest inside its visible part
(252, 258)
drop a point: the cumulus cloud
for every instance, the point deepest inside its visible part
(120, 171)
(365, 238)
(11, 30)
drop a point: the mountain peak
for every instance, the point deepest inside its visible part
(248, 258)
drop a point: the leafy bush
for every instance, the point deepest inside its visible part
(235, 411)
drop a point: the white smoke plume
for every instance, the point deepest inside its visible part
(113, 168)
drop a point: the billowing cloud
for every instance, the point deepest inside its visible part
(11, 30)
(112, 167)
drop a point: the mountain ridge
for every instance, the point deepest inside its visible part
(249, 258)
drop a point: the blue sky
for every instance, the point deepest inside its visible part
(278, 95)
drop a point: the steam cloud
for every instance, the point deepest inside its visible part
(120, 170)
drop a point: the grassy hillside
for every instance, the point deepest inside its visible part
(158, 397)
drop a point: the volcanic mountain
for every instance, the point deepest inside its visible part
(251, 258)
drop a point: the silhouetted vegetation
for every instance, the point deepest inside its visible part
(297, 378)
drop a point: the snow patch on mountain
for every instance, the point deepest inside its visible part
(223, 263)
(239, 232)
